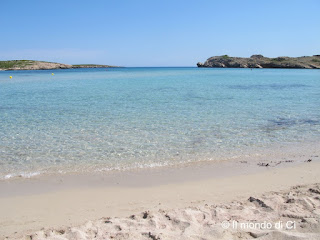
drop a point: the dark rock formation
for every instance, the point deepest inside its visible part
(259, 61)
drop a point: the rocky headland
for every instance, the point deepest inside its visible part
(259, 61)
(41, 65)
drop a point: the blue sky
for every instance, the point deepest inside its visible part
(156, 33)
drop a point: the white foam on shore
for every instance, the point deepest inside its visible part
(23, 175)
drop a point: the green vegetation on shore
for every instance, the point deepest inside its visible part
(40, 65)
(15, 63)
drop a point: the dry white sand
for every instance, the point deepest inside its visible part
(178, 210)
(292, 214)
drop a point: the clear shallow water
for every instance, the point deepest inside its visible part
(93, 119)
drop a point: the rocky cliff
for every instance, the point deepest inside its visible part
(259, 61)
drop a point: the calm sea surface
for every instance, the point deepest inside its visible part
(126, 118)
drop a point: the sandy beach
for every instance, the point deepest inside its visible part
(187, 203)
(160, 120)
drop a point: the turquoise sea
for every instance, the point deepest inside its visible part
(89, 120)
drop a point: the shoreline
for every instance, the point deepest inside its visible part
(253, 159)
(63, 202)
(143, 178)
(29, 205)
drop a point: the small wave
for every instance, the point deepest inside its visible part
(135, 166)
(22, 175)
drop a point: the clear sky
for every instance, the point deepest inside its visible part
(156, 33)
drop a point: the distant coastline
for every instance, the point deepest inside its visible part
(259, 61)
(42, 65)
